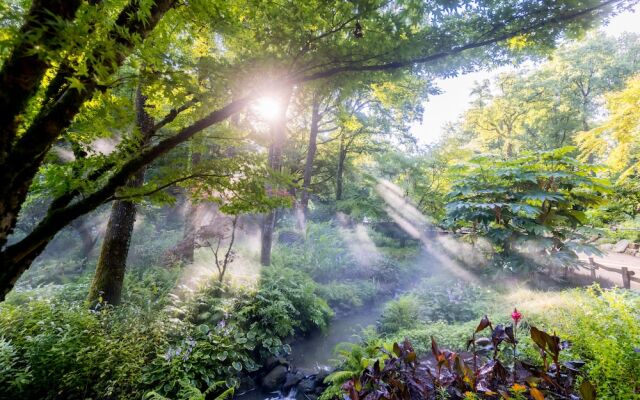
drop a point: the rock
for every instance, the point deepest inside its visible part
(246, 383)
(621, 246)
(606, 247)
(292, 380)
(307, 385)
(306, 396)
(323, 373)
(274, 361)
(275, 378)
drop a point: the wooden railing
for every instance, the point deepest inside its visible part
(627, 276)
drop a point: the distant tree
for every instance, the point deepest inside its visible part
(616, 143)
(545, 108)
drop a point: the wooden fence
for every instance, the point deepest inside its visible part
(627, 276)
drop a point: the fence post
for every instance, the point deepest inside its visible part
(626, 278)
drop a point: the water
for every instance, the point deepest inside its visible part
(316, 351)
(256, 394)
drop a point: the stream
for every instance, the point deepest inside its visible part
(316, 351)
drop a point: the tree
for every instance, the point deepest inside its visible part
(275, 161)
(615, 143)
(544, 109)
(109, 276)
(529, 207)
(224, 236)
(52, 43)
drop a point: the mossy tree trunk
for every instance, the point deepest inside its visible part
(109, 277)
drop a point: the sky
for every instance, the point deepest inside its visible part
(453, 101)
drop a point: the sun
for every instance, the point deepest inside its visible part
(268, 107)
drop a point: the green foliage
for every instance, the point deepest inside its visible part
(286, 302)
(451, 300)
(452, 336)
(323, 254)
(232, 332)
(529, 207)
(347, 294)
(13, 377)
(352, 359)
(437, 301)
(59, 349)
(198, 363)
(51, 347)
(400, 314)
(604, 330)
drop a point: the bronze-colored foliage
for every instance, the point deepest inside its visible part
(402, 375)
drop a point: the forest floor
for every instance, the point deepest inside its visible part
(613, 260)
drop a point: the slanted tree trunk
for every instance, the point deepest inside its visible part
(109, 276)
(21, 157)
(278, 138)
(311, 153)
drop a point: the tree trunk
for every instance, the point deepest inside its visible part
(311, 153)
(109, 277)
(23, 70)
(278, 138)
(185, 249)
(342, 155)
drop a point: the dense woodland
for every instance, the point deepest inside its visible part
(200, 198)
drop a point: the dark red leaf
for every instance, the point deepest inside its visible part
(484, 323)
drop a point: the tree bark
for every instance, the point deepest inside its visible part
(311, 153)
(23, 71)
(342, 156)
(26, 155)
(109, 277)
(278, 138)
(186, 247)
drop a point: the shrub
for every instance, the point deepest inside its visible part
(323, 254)
(396, 372)
(204, 360)
(400, 314)
(63, 350)
(452, 336)
(285, 303)
(604, 329)
(442, 299)
(348, 294)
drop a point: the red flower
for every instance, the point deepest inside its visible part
(516, 316)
